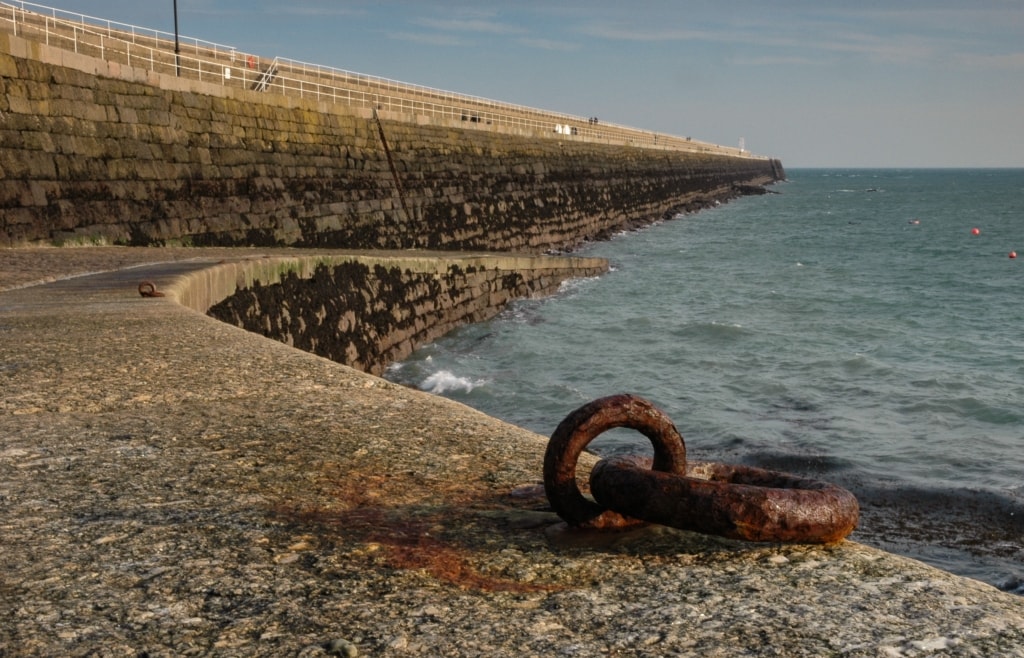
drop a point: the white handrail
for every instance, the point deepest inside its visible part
(212, 62)
(111, 26)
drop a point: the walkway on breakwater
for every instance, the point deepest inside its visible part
(172, 485)
(157, 52)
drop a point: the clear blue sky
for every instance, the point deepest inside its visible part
(816, 83)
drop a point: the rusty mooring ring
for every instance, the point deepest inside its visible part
(580, 428)
(148, 289)
(732, 501)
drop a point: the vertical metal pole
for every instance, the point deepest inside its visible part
(177, 48)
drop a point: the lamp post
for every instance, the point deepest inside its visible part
(177, 48)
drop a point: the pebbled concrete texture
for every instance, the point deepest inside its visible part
(171, 485)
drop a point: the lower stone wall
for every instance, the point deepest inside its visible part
(369, 312)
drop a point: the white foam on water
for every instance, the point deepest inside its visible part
(445, 381)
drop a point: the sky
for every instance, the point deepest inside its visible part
(815, 83)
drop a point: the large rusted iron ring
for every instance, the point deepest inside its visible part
(148, 289)
(732, 501)
(580, 428)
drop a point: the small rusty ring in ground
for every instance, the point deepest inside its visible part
(148, 289)
(579, 428)
(732, 501)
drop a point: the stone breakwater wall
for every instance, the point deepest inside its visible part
(367, 311)
(97, 152)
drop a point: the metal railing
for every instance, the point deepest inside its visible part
(54, 18)
(207, 61)
(338, 85)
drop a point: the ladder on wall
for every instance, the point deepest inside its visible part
(262, 83)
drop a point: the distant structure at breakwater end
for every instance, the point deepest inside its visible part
(109, 137)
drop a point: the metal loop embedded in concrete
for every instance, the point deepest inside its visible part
(148, 289)
(732, 501)
(581, 427)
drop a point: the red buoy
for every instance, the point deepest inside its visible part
(975, 231)
(1013, 254)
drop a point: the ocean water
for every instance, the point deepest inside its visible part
(852, 327)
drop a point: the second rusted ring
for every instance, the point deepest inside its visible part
(580, 428)
(740, 502)
(148, 289)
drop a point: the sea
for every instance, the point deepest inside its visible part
(861, 326)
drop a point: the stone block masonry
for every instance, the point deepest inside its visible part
(98, 152)
(370, 311)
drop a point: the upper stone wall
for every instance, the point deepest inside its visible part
(97, 152)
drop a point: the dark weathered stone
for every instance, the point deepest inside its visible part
(103, 159)
(369, 316)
